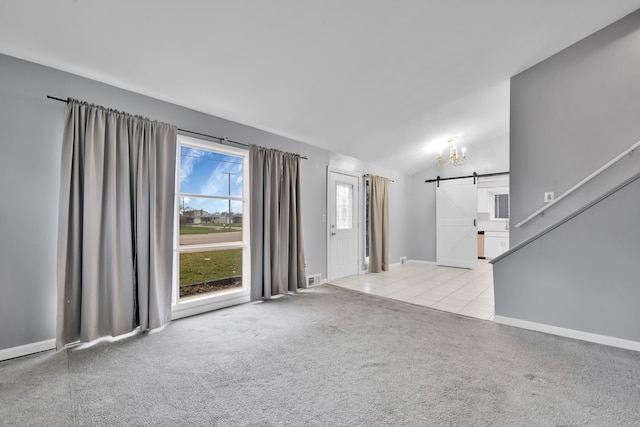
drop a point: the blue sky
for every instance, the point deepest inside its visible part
(205, 172)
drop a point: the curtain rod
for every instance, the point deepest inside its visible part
(220, 139)
(475, 175)
(366, 175)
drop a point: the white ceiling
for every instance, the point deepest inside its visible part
(380, 80)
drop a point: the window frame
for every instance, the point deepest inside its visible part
(213, 301)
(349, 224)
(492, 198)
(497, 204)
(366, 218)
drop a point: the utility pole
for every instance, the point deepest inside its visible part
(229, 212)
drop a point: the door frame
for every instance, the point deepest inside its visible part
(359, 202)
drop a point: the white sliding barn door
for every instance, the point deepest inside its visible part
(456, 231)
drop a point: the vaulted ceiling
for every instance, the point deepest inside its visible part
(386, 81)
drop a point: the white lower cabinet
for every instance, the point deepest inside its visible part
(495, 243)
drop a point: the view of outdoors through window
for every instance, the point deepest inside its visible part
(501, 206)
(210, 208)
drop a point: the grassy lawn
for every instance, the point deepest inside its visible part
(209, 228)
(200, 267)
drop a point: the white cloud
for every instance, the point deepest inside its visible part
(218, 182)
(188, 158)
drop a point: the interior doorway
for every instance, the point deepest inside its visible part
(493, 214)
(343, 224)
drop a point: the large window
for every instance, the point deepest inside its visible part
(211, 243)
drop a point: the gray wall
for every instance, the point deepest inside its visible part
(583, 276)
(489, 157)
(30, 137)
(569, 115)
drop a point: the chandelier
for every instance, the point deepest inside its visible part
(454, 158)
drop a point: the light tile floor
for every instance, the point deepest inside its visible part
(456, 290)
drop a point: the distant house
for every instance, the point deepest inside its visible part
(200, 216)
(194, 216)
(223, 218)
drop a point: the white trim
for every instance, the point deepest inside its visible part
(24, 350)
(215, 301)
(210, 145)
(207, 196)
(362, 240)
(321, 282)
(212, 246)
(569, 333)
(360, 197)
(206, 304)
(418, 261)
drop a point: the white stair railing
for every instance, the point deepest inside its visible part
(580, 184)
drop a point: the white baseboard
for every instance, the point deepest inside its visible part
(24, 350)
(569, 333)
(400, 263)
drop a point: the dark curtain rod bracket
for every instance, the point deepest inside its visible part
(221, 140)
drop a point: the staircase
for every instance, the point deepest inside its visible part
(579, 277)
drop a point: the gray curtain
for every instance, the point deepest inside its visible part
(277, 250)
(379, 224)
(115, 238)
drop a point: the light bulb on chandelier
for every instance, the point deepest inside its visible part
(454, 158)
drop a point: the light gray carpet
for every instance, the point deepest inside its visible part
(330, 357)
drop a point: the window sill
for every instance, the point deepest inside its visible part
(211, 302)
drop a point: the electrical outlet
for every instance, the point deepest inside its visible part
(548, 196)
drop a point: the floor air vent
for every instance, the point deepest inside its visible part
(313, 280)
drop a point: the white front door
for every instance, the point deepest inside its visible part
(343, 225)
(456, 231)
